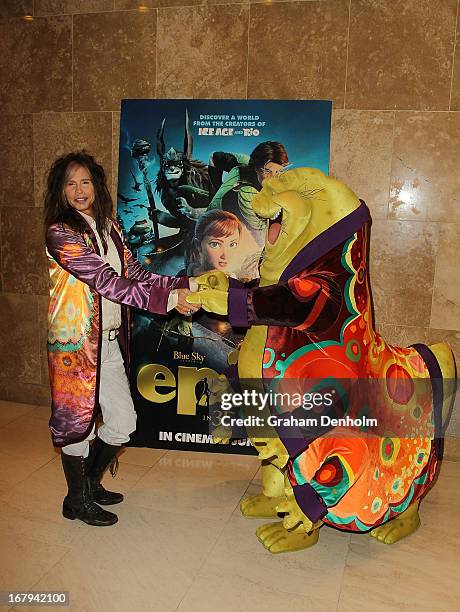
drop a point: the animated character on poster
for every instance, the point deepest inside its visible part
(184, 165)
(244, 180)
(309, 319)
(221, 242)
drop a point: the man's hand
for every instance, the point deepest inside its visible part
(184, 307)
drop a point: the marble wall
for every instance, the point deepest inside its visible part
(391, 67)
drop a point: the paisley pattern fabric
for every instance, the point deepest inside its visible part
(320, 337)
(363, 476)
(78, 277)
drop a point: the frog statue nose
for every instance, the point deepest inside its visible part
(289, 191)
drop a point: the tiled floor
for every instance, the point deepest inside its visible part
(181, 543)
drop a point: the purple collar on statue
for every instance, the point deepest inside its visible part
(328, 240)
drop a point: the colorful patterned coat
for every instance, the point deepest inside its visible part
(319, 326)
(78, 279)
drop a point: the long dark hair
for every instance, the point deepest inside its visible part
(56, 207)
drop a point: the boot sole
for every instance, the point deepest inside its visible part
(72, 515)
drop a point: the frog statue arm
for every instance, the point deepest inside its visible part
(309, 300)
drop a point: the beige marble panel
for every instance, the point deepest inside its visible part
(402, 264)
(239, 563)
(27, 560)
(141, 456)
(16, 160)
(16, 8)
(33, 520)
(223, 592)
(133, 4)
(452, 449)
(361, 151)
(202, 52)
(19, 352)
(13, 472)
(445, 311)
(44, 372)
(199, 484)
(56, 134)
(42, 413)
(147, 561)
(400, 54)
(444, 495)
(32, 434)
(59, 7)
(10, 411)
(19, 391)
(3, 389)
(413, 574)
(46, 488)
(36, 65)
(40, 518)
(455, 93)
(399, 335)
(425, 182)
(452, 424)
(298, 50)
(146, 5)
(24, 265)
(114, 58)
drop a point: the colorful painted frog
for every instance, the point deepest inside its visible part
(310, 319)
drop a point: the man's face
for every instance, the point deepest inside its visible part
(79, 190)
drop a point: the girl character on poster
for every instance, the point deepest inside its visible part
(220, 242)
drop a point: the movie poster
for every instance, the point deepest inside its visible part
(188, 171)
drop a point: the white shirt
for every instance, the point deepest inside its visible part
(111, 311)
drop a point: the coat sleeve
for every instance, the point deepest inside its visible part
(148, 292)
(305, 301)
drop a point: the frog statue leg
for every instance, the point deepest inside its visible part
(264, 504)
(400, 527)
(409, 520)
(294, 532)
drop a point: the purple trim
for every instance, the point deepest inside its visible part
(231, 374)
(182, 283)
(234, 283)
(328, 240)
(158, 300)
(118, 245)
(310, 502)
(438, 392)
(294, 443)
(237, 307)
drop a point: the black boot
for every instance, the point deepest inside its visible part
(100, 456)
(78, 503)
